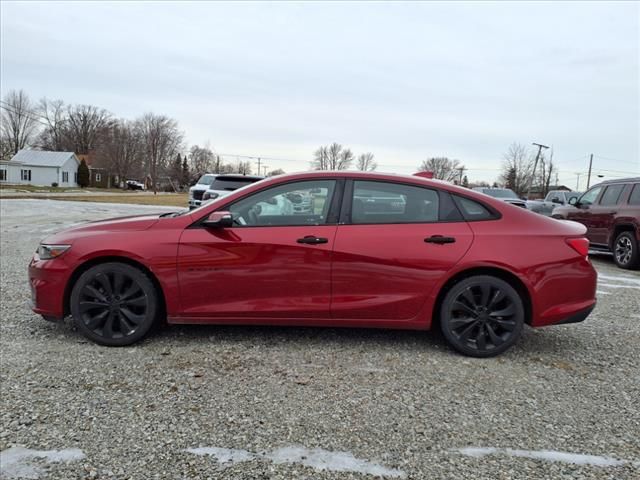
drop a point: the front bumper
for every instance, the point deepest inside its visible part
(47, 281)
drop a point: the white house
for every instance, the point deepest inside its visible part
(35, 167)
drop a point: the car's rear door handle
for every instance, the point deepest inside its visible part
(313, 240)
(439, 239)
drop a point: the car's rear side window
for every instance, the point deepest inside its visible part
(611, 195)
(634, 198)
(473, 210)
(386, 202)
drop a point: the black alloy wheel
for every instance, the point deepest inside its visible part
(114, 304)
(625, 251)
(482, 316)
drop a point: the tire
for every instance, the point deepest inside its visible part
(469, 317)
(626, 252)
(114, 304)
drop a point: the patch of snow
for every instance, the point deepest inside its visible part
(613, 285)
(620, 278)
(16, 462)
(320, 459)
(602, 292)
(317, 458)
(548, 455)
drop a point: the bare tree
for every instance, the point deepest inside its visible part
(366, 163)
(161, 140)
(202, 160)
(443, 168)
(275, 172)
(54, 115)
(84, 126)
(332, 157)
(18, 122)
(517, 168)
(121, 150)
(244, 168)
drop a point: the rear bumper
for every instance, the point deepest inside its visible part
(578, 316)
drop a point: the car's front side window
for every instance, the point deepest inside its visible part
(298, 203)
(384, 202)
(591, 196)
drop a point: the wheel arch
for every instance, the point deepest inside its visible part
(83, 267)
(618, 229)
(497, 272)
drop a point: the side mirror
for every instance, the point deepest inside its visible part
(573, 201)
(556, 200)
(219, 220)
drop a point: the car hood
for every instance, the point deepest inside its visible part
(131, 224)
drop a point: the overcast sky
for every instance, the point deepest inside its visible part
(403, 80)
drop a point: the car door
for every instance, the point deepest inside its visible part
(604, 211)
(583, 211)
(274, 262)
(392, 247)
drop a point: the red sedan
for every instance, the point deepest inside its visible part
(339, 249)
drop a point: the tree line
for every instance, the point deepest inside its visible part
(150, 147)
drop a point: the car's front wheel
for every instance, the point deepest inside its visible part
(626, 253)
(482, 316)
(114, 304)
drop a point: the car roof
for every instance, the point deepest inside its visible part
(620, 180)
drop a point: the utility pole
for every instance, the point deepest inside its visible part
(578, 181)
(265, 170)
(462, 169)
(258, 165)
(535, 165)
(589, 176)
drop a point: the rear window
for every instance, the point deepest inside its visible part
(634, 198)
(611, 195)
(229, 184)
(473, 210)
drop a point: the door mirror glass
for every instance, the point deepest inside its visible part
(556, 200)
(219, 220)
(573, 201)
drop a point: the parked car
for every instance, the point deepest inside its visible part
(223, 185)
(611, 213)
(213, 185)
(134, 185)
(553, 199)
(450, 259)
(504, 194)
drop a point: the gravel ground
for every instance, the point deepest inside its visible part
(309, 403)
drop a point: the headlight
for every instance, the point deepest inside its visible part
(209, 196)
(47, 252)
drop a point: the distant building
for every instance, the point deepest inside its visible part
(98, 176)
(35, 167)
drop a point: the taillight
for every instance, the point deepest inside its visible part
(580, 245)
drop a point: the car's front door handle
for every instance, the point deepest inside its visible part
(439, 239)
(313, 240)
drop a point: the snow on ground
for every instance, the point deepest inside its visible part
(548, 455)
(316, 458)
(17, 462)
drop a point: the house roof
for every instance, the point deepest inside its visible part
(39, 158)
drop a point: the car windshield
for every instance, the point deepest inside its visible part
(500, 192)
(229, 184)
(206, 179)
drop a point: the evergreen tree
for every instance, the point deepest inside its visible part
(465, 182)
(176, 170)
(84, 176)
(185, 172)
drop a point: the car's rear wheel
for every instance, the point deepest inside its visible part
(482, 316)
(626, 253)
(114, 304)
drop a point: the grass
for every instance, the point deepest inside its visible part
(44, 189)
(165, 199)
